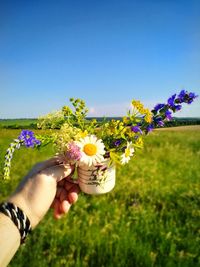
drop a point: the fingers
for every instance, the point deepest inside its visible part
(60, 207)
(66, 195)
(58, 171)
(73, 194)
(47, 163)
(63, 195)
(73, 190)
(57, 211)
(54, 167)
(65, 206)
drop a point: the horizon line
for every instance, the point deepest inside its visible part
(29, 118)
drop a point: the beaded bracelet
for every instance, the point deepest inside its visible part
(18, 217)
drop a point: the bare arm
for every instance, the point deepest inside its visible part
(47, 184)
(10, 240)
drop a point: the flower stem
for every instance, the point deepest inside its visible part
(8, 157)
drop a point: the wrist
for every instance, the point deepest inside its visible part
(20, 201)
(18, 217)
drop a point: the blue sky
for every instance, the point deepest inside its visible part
(105, 52)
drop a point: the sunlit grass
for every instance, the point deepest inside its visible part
(151, 218)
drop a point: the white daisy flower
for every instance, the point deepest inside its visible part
(92, 150)
(128, 153)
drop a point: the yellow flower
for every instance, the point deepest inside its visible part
(84, 134)
(138, 105)
(142, 110)
(81, 134)
(139, 142)
(148, 118)
(125, 120)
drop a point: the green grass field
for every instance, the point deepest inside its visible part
(151, 218)
(18, 123)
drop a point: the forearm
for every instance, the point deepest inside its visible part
(9, 241)
(33, 198)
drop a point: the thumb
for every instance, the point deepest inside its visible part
(59, 172)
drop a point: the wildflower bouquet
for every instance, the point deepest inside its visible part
(96, 147)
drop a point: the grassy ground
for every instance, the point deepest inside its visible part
(151, 218)
(18, 123)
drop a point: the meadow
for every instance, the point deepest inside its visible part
(151, 218)
(18, 123)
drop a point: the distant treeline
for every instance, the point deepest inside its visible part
(18, 123)
(182, 122)
(32, 123)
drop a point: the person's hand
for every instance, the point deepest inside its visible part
(47, 185)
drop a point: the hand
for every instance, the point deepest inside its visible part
(47, 184)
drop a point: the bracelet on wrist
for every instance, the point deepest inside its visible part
(18, 217)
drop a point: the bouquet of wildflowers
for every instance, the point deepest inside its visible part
(88, 142)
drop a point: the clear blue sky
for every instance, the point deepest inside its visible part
(106, 52)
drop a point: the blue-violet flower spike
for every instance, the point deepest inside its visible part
(28, 139)
(168, 115)
(171, 100)
(158, 107)
(117, 142)
(136, 129)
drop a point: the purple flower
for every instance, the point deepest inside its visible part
(150, 128)
(136, 129)
(171, 100)
(186, 97)
(168, 115)
(28, 139)
(159, 121)
(177, 107)
(181, 96)
(163, 112)
(191, 97)
(117, 142)
(73, 152)
(158, 107)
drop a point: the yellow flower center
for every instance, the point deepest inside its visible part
(90, 149)
(127, 152)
